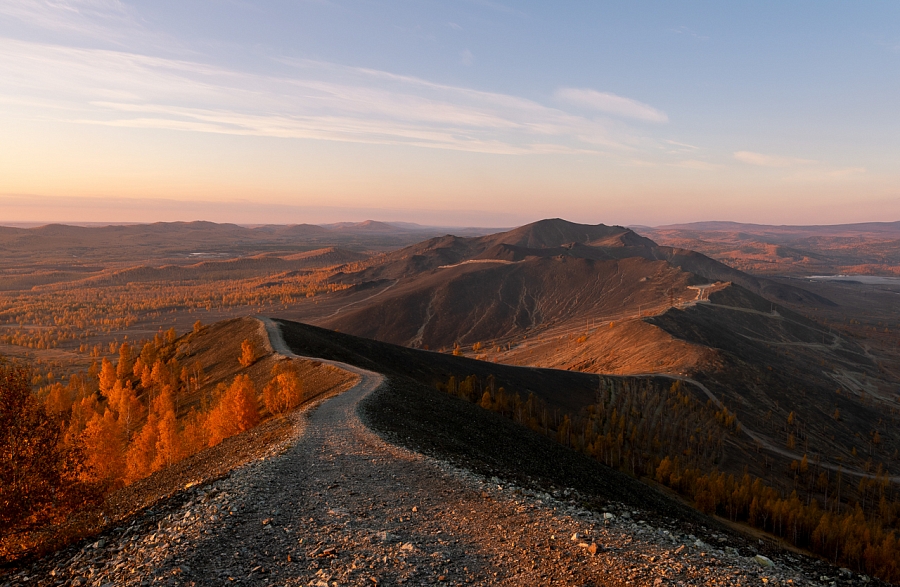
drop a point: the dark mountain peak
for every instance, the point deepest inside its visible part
(506, 252)
(178, 227)
(556, 232)
(56, 229)
(299, 230)
(375, 225)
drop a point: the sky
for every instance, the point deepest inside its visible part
(453, 112)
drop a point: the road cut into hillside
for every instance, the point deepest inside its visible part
(338, 505)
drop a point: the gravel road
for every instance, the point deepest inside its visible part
(337, 505)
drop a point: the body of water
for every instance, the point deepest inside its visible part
(865, 279)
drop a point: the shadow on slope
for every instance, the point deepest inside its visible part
(411, 412)
(566, 390)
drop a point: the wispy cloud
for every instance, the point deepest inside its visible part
(799, 169)
(140, 89)
(826, 174)
(310, 100)
(681, 146)
(770, 160)
(109, 20)
(610, 104)
(847, 172)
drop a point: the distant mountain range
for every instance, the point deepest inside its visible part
(869, 248)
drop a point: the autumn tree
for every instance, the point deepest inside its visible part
(107, 376)
(160, 376)
(37, 470)
(168, 441)
(236, 411)
(142, 451)
(196, 377)
(146, 375)
(486, 401)
(129, 409)
(148, 353)
(284, 391)
(104, 446)
(194, 433)
(125, 365)
(59, 400)
(248, 356)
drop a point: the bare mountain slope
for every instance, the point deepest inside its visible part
(482, 300)
(463, 290)
(800, 386)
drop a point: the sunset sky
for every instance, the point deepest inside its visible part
(452, 113)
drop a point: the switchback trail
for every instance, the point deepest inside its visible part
(340, 506)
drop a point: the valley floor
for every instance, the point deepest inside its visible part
(340, 506)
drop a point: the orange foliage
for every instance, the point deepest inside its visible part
(59, 400)
(168, 443)
(128, 407)
(160, 375)
(142, 452)
(284, 391)
(248, 356)
(39, 473)
(194, 434)
(124, 366)
(107, 376)
(236, 411)
(115, 424)
(104, 447)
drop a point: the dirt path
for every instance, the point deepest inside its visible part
(340, 506)
(344, 307)
(761, 440)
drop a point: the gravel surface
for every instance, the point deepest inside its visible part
(337, 505)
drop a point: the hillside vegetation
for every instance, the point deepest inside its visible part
(121, 422)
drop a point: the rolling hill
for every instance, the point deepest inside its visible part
(550, 274)
(604, 299)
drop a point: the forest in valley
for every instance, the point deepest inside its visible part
(667, 436)
(72, 316)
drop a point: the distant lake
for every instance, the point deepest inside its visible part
(866, 279)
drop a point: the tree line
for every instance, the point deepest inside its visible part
(57, 315)
(667, 435)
